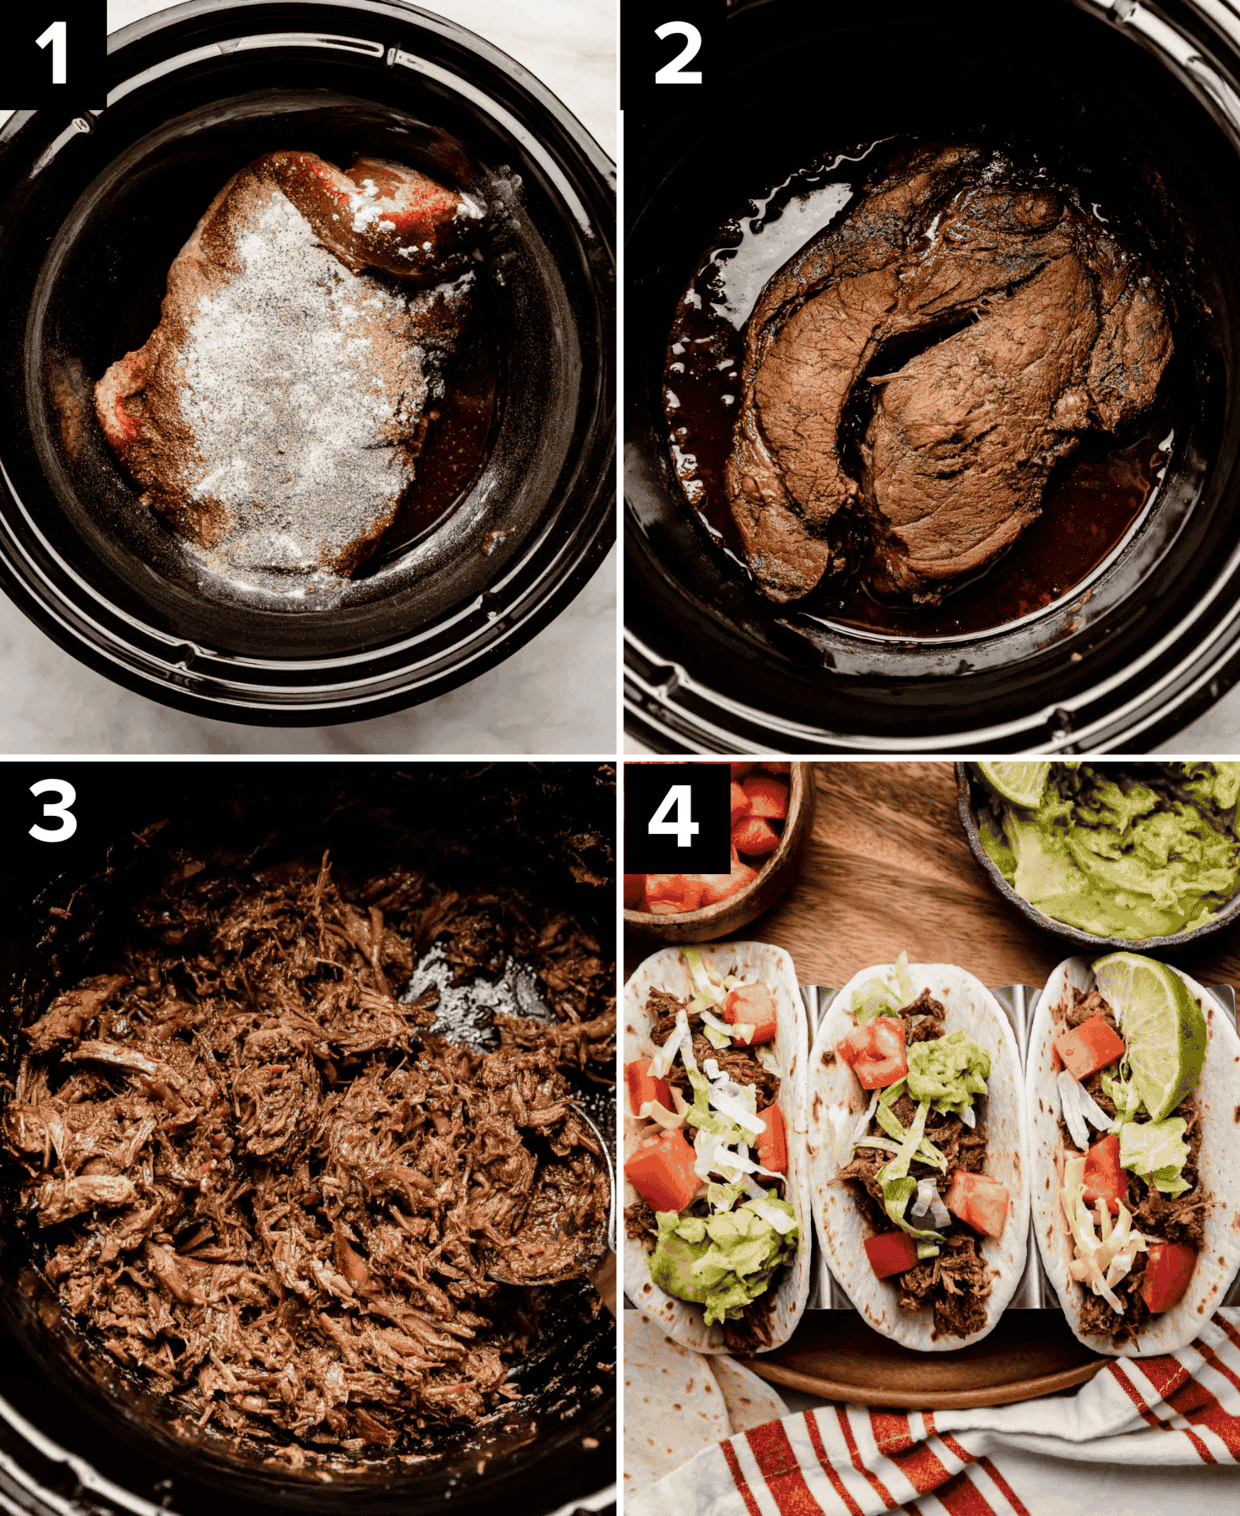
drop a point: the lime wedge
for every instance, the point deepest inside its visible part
(1021, 783)
(1163, 1027)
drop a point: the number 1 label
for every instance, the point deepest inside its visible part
(56, 35)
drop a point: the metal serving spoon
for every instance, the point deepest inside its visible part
(603, 1274)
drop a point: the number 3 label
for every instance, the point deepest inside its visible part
(684, 828)
(55, 811)
(674, 72)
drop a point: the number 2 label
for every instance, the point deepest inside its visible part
(684, 828)
(675, 72)
(55, 811)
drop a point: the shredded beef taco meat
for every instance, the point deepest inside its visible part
(1166, 1218)
(262, 1179)
(957, 1283)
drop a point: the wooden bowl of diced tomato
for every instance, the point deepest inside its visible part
(772, 822)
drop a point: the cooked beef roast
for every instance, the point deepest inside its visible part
(280, 1190)
(1022, 324)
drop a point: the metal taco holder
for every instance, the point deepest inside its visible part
(1035, 1292)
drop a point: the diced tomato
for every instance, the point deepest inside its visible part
(891, 1253)
(1104, 1179)
(752, 1003)
(767, 797)
(753, 835)
(644, 1086)
(1089, 1047)
(740, 804)
(979, 1200)
(1167, 1272)
(634, 887)
(717, 887)
(662, 1173)
(773, 1143)
(669, 893)
(875, 1052)
(739, 770)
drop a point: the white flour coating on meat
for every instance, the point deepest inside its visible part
(261, 1179)
(302, 381)
(276, 414)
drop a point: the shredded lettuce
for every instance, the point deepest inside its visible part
(1123, 1094)
(892, 1125)
(877, 998)
(898, 1186)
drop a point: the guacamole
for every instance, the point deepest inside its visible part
(726, 1260)
(1132, 851)
(948, 1071)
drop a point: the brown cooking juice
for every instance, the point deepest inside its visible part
(1091, 502)
(454, 441)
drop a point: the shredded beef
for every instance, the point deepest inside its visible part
(640, 1223)
(956, 1284)
(262, 1179)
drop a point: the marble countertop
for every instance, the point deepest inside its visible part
(556, 695)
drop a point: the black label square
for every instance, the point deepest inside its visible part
(687, 804)
(670, 55)
(55, 54)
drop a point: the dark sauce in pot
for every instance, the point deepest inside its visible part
(1093, 499)
(455, 437)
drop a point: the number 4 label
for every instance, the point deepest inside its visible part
(684, 828)
(56, 35)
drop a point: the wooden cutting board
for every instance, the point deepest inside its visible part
(888, 868)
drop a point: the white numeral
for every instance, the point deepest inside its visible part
(58, 811)
(55, 34)
(672, 73)
(680, 796)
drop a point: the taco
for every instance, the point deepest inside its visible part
(918, 1155)
(1134, 1209)
(717, 1227)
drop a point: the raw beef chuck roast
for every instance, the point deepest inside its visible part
(275, 414)
(1022, 325)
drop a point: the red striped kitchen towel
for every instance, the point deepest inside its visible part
(1166, 1429)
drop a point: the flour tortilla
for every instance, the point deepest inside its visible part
(1218, 1097)
(673, 1406)
(751, 1401)
(836, 1103)
(751, 962)
(677, 1402)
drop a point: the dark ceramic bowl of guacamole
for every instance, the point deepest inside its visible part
(972, 797)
